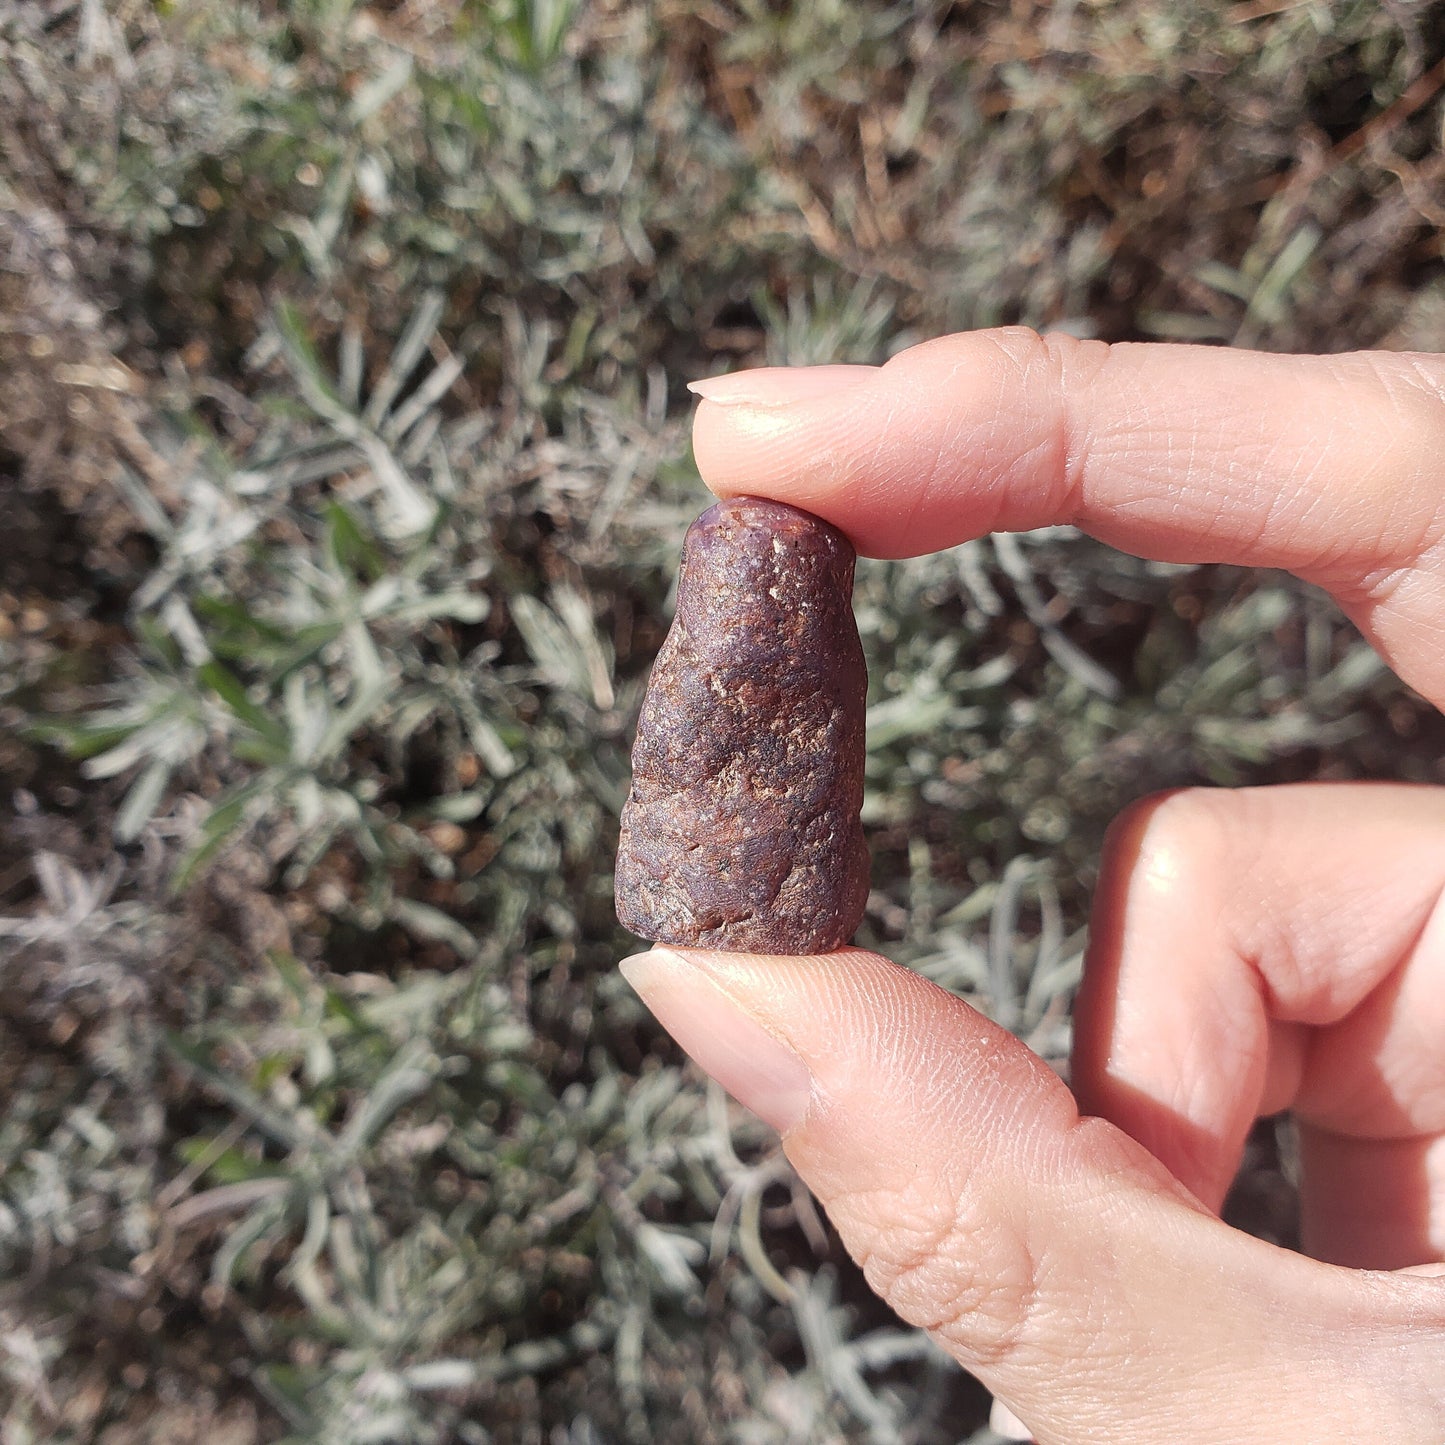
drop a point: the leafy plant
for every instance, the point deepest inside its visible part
(344, 462)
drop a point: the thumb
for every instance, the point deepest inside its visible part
(1048, 1253)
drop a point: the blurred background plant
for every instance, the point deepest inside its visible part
(343, 466)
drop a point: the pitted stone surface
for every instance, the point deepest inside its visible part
(742, 830)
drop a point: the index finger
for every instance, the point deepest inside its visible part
(1332, 467)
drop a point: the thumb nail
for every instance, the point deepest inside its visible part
(760, 1071)
(1005, 1424)
(780, 385)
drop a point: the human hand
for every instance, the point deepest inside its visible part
(1251, 951)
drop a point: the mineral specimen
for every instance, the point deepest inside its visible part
(742, 830)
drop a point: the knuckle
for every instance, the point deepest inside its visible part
(960, 1269)
(1412, 389)
(1164, 840)
(1399, 404)
(1210, 855)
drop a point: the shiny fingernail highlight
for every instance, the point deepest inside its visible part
(780, 385)
(760, 1071)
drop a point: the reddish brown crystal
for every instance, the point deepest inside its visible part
(742, 830)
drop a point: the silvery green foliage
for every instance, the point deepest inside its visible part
(349, 342)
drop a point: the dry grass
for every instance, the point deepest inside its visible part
(344, 462)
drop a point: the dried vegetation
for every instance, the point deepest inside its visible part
(342, 469)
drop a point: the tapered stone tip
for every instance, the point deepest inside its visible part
(742, 829)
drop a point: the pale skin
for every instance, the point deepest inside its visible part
(1251, 951)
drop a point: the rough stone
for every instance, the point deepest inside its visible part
(742, 830)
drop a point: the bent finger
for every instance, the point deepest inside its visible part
(1329, 466)
(1259, 949)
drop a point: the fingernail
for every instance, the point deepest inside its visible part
(1003, 1422)
(780, 385)
(760, 1071)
